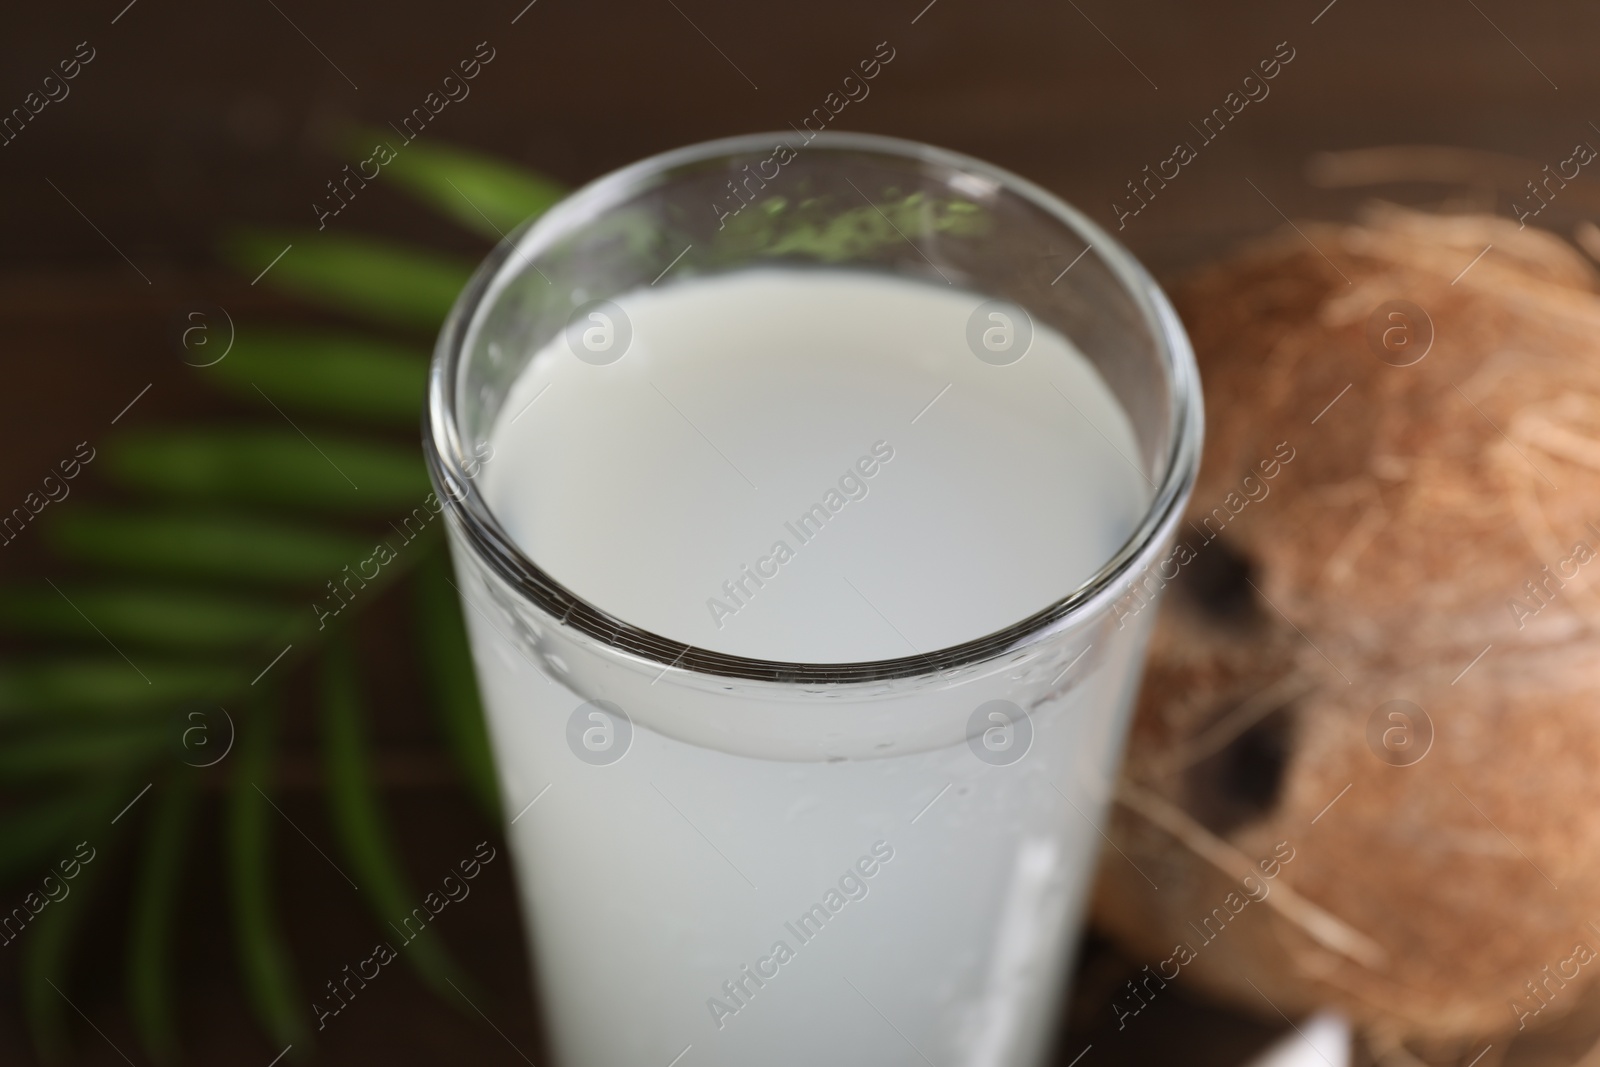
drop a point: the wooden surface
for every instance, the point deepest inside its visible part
(192, 116)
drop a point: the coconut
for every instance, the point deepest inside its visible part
(1365, 766)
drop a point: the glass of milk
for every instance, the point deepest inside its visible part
(806, 499)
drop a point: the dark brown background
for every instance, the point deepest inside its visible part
(196, 115)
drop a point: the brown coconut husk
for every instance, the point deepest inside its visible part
(1380, 565)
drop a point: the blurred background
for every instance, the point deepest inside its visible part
(185, 123)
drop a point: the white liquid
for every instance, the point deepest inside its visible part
(644, 485)
(651, 882)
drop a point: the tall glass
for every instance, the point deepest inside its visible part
(726, 860)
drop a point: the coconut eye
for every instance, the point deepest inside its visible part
(1243, 782)
(1218, 582)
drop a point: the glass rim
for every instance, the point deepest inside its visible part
(447, 461)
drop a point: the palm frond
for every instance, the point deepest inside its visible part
(264, 965)
(363, 831)
(383, 281)
(207, 546)
(52, 936)
(483, 194)
(108, 684)
(271, 469)
(448, 661)
(235, 547)
(344, 375)
(155, 907)
(154, 616)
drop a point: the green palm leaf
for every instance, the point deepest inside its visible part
(379, 280)
(155, 906)
(30, 835)
(51, 937)
(338, 374)
(191, 589)
(148, 615)
(278, 469)
(487, 196)
(263, 953)
(46, 960)
(363, 832)
(448, 661)
(106, 684)
(74, 752)
(206, 545)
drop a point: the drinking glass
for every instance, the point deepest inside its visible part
(727, 860)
